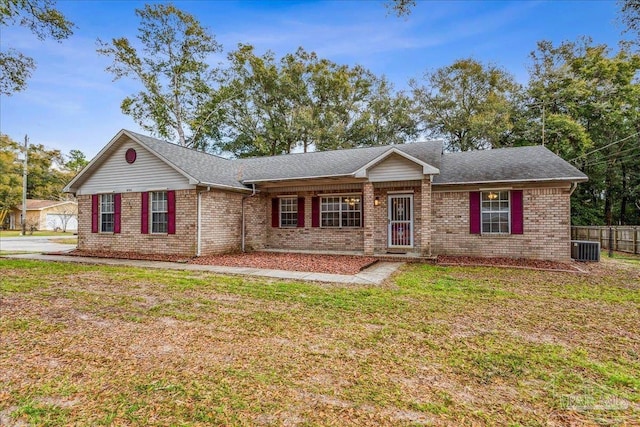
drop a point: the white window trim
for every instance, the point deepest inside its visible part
(489, 233)
(113, 203)
(151, 212)
(280, 199)
(323, 196)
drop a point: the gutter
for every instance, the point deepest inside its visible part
(253, 193)
(574, 185)
(199, 221)
(573, 179)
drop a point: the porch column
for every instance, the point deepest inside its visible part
(425, 213)
(369, 220)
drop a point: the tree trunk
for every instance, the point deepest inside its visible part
(608, 217)
(624, 199)
(178, 112)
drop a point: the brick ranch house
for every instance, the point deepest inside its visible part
(146, 195)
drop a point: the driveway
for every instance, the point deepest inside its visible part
(34, 244)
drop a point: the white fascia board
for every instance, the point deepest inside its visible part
(222, 186)
(256, 181)
(498, 181)
(427, 169)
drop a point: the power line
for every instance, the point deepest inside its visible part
(606, 146)
(620, 159)
(610, 156)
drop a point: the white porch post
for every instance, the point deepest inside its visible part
(369, 220)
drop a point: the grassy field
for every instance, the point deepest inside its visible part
(88, 345)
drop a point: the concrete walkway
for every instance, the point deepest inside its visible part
(374, 275)
(35, 243)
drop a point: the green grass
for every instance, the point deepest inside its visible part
(100, 345)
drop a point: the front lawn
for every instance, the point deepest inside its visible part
(95, 345)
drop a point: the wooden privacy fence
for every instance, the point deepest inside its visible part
(622, 238)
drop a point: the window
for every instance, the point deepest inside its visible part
(107, 213)
(289, 212)
(159, 212)
(495, 212)
(341, 211)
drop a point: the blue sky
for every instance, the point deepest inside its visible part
(72, 103)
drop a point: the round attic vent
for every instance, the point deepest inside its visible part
(130, 155)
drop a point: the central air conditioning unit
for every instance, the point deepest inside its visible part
(583, 250)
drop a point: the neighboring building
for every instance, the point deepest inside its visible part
(151, 196)
(46, 215)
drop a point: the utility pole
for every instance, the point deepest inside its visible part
(24, 186)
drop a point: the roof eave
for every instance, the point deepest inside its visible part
(221, 186)
(510, 181)
(258, 181)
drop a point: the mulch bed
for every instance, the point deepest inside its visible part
(508, 262)
(124, 255)
(332, 264)
(316, 263)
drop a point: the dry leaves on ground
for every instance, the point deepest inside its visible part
(317, 263)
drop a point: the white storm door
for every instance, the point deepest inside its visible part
(400, 221)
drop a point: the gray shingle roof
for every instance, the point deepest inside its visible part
(533, 163)
(330, 163)
(203, 167)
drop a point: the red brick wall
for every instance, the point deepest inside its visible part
(314, 238)
(256, 221)
(342, 239)
(546, 227)
(130, 238)
(221, 222)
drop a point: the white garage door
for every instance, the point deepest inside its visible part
(56, 221)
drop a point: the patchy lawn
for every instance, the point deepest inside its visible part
(96, 345)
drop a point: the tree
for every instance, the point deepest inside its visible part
(591, 103)
(76, 161)
(48, 173)
(172, 68)
(10, 176)
(469, 104)
(630, 15)
(44, 21)
(400, 7)
(302, 102)
(47, 176)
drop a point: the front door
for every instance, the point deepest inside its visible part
(400, 221)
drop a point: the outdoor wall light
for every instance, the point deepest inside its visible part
(376, 201)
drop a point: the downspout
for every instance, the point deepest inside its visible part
(199, 220)
(253, 193)
(574, 185)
